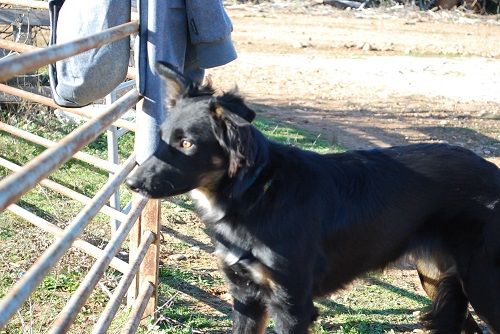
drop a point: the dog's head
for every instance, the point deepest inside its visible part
(204, 139)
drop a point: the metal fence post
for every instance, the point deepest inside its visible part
(112, 139)
(150, 221)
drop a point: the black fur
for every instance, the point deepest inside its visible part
(449, 308)
(293, 225)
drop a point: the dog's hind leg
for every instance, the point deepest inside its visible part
(449, 311)
(430, 286)
(481, 273)
(482, 285)
(446, 293)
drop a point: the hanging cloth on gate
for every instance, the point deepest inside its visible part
(91, 75)
(210, 32)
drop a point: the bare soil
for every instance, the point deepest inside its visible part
(375, 77)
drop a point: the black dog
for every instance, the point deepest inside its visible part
(293, 225)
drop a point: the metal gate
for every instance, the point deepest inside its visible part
(140, 221)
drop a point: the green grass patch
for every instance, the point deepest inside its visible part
(63, 281)
(191, 305)
(285, 134)
(379, 304)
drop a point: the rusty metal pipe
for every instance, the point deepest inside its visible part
(21, 48)
(94, 161)
(32, 278)
(67, 191)
(83, 112)
(113, 305)
(17, 47)
(138, 308)
(69, 312)
(41, 5)
(24, 63)
(27, 3)
(58, 232)
(14, 186)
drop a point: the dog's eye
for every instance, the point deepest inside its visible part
(186, 143)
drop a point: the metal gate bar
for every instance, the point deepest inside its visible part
(83, 112)
(94, 161)
(58, 232)
(21, 47)
(67, 192)
(145, 292)
(32, 278)
(17, 47)
(27, 3)
(78, 299)
(26, 62)
(38, 4)
(13, 186)
(112, 306)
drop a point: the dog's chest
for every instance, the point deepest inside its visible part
(205, 203)
(202, 200)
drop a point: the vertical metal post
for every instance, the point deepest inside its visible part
(112, 138)
(135, 233)
(150, 221)
(134, 242)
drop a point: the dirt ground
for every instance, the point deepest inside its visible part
(376, 77)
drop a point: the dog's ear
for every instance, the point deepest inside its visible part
(235, 103)
(234, 134)
(175, 83)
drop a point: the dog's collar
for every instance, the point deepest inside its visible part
(268, 185)
(253, 188)
(247, 184)
(251, 181)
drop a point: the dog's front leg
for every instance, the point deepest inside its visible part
(249, 308)
(293, 317)
(249, 317)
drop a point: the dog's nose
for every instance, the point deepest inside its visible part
(133, 183)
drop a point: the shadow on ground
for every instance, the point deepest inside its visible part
(360, 128)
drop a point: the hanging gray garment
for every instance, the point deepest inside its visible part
(210, 32)
(165, 36)
(197, 36)
(81, 79)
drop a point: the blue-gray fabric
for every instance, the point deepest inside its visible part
(159, 23)
(190, 34)
(79, 80)
(165, 36)
(210, 32)
(197, 35)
